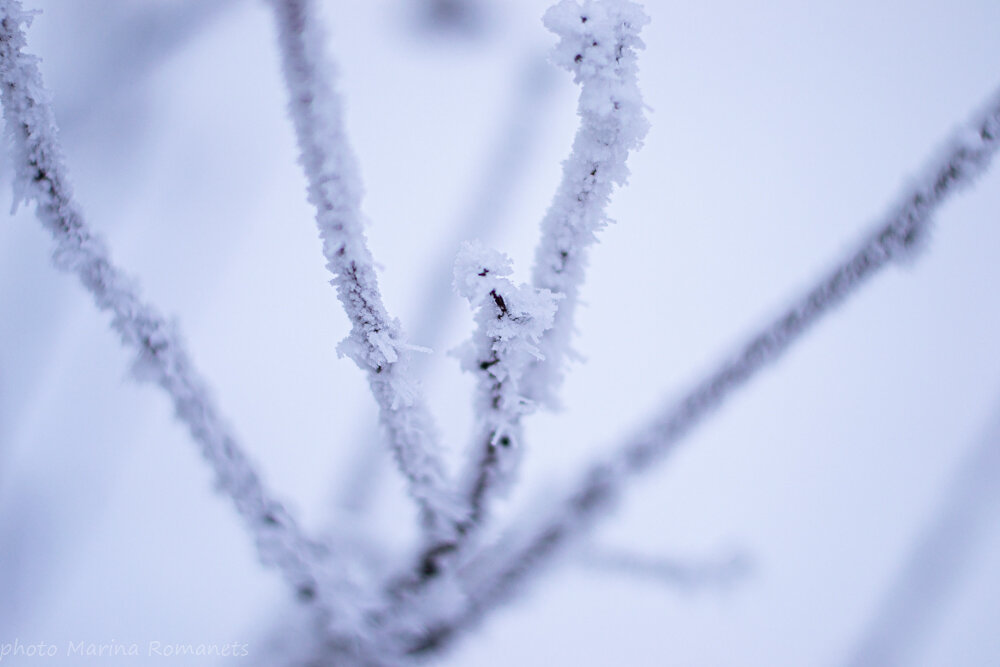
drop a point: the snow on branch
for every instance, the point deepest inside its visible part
(376, 342)
(511, 320)
(598, 41)
(533, 542)
(504, 167)
(40, 177)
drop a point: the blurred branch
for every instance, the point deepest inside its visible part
(464, 16)
(503, 172)
(721, 571)
(511, 320)
(916, 601)
(532, 542)
(137, 38)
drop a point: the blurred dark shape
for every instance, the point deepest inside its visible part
(29, 541)
(135, 39)
(720, 572)
(456, 16)
(940, 561)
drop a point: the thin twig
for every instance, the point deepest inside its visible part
(376, 342)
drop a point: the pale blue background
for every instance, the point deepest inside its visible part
(779, 131)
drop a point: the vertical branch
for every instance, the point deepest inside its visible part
(40, 177)
(376, 342)
(511, 322)
(598, 41)
(496, 185)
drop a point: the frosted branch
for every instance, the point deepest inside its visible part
(40, 177)
(535, 540)
(376, 342)
(511, 321)
(504, 168)
(598, 41)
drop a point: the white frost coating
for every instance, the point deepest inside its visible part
(512, 320)
(543, 532)
(376, 342)
(161, 357)
(598, 41)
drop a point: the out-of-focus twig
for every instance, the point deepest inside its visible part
(917, 598)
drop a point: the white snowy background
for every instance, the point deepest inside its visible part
(780, 129)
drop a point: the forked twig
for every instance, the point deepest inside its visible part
(533, 541)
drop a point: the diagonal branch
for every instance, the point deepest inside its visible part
(40, 177)
(597, 43)
(938, 563)
(511, 321)
(504, 167)
(498, 571)
(376, 342)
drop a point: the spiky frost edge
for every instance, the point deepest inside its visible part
(40, 177)
(376, 342)
(497, 572)
(598, 44)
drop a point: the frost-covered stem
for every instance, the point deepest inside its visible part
(511, 321)
(534, 541)
(504, 168)
(376, 342)
(40, 177)
(598, 43)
